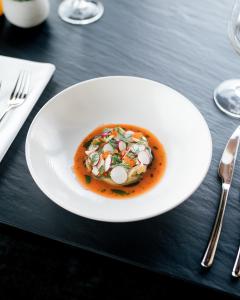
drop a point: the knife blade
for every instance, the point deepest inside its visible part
(227, 163)
(225, 171)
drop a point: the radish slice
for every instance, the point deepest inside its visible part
(104, 134)
(108, 161)
(119, 175)
(144, 157)
(122, 146)
(88, 152)
(88, 164)
(94, 158)
(95, 171)
(141, 147)
(135, 148)
(108, 148)
(100, 163)
(93, 147)
(128, 133)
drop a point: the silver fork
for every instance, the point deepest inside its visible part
(19, 93)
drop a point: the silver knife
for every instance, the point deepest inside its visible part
(225, 171)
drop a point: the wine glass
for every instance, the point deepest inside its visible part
(227, 94)
(80, 12)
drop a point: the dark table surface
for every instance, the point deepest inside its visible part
(180, 43)
(33, 267)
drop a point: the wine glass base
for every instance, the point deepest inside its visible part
(80, 12)
(227, 97)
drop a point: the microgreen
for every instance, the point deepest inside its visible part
(120, 130)
(101, 170)
(87, 144)
(88, 179)
(116, 160)
(113, 143)
(120, 192)
(94, 158)
(106, 130)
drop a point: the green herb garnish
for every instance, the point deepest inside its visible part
(116, 159)
(120, 192)
(101, 170)
(88, 179)
(87, 144)
(105, 130)
(94, 158)
(113, 143)
(120, 130)
(131, 155)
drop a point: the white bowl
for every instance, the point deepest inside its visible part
(68, 117)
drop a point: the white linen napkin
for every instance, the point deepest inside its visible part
(9, 71)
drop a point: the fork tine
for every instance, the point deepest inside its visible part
(17, 86)
(21, 86)
(27, 85)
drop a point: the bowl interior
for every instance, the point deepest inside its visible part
(65, 120)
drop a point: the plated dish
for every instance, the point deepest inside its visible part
(68, 118)
(119, 161)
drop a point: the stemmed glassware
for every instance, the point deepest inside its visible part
(227, 94)
(80, 12)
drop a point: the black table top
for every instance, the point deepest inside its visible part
(180, 43)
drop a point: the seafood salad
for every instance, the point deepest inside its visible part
(118, 156)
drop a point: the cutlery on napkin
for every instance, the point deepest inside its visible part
(10, 68)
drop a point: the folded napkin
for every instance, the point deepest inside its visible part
(9, 71)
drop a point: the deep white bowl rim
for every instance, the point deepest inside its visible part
(132, 219)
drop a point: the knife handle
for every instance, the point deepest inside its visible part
(213, 242)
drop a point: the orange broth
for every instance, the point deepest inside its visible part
(152, 176)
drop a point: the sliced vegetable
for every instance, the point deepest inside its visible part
(116, 159)
(122, 146)
(118, 156)
(144, 157)
(108, 148)
(141, 147)
(100, 163)
(119, 175)
(93, 147)
(101, 170)
(128, 133)
(95, 171)
(137, 135)
(87, 144)
(131, 162)
(108, 162)
(94, 158)
(88, 164)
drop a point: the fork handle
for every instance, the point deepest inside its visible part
(213, 242)
(4, 112)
